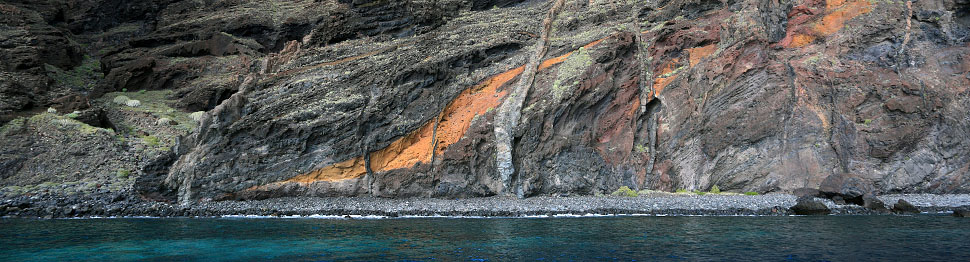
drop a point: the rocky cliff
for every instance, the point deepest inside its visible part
(463, 98)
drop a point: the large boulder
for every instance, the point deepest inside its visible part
(848, 186)
(963, 212)
(871, 202)
(805, 191)
(809, 206)
(903, 207)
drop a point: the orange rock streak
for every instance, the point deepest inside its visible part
(698, 53)
(415, 148)
(838, 12)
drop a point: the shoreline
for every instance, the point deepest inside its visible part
(487, 207)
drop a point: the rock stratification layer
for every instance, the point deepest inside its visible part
(463, 98)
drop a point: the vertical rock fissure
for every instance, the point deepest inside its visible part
(510, 112)
(434, 134)
(909, 26)
(645, 82)
(653, 121)
(364, 132)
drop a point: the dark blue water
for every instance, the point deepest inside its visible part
(834, 238)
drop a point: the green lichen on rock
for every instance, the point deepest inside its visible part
(674, 72)
(569, 70)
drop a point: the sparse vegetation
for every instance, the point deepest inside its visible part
(12, 125)
(196, 116)
(152, 141)
(121, 100)
(165, 121)
(640, 148)
(750, 193)
(715, 190)
(813, 60)
(84, 76)
(123, 173)
(681, 191)
(133, 103)
(625, 191)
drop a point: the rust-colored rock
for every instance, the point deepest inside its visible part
(398, 98)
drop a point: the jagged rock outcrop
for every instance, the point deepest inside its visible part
(403, 98)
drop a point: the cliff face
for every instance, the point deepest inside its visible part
(462, 98)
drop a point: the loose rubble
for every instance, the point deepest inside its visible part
(652, 205)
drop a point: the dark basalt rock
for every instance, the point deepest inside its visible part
(871, 202)
(808, 205)
(673, 94)
(851, 188)
(801, 192)
(965, 212)
(904, 207)
(838, 200)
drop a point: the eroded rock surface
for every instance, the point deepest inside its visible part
(401, 98)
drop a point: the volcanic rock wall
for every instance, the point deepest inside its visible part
(402, 98)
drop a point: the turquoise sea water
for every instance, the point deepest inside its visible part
(828, 238)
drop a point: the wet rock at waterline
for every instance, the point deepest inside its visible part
(904, 207)
(808, 205)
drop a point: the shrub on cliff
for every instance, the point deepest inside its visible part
(196, 116)
(123, 173)
(165, 122)
(121, 100)
(152, 141)
(715, 190)
(625, 191)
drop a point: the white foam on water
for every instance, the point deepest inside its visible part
(245, 216)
